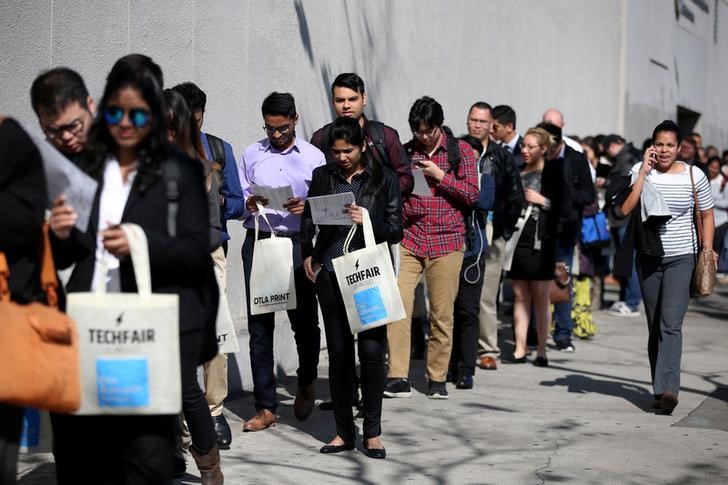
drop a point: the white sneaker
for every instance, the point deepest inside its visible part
(621, 309)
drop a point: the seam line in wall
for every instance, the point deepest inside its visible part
(50, 44)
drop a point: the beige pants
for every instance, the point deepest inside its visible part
(488, 342)
(215, 372)
(442, 276)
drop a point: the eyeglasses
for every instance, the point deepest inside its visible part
(271, 130)
(138, 117)
(426, 133)
(74, 128)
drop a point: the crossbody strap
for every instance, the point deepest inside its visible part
(696, 212)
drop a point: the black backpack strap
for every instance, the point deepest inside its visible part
(171, 179)
(453, 151)
(375, 130)
(217, 149)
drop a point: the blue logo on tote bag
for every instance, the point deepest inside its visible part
(122, 382)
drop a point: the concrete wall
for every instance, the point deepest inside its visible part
(589, 58)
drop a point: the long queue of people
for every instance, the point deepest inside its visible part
(468, 213)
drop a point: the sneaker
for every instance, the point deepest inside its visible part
(437, 390)
(397, 387)
(565, 345)
(621, 309)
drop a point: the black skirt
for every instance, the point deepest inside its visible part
(531, 264)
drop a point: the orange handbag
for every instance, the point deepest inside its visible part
(38, 345)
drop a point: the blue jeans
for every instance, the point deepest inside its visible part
(562, 311)
(630, 292)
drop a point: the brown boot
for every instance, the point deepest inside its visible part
(209, 466)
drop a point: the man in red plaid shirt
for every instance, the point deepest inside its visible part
(434, 238)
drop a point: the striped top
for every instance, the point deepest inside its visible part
(678, 234)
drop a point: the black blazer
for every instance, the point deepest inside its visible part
(384, 206)
(23, 202)
(581, 193)
(180, 264)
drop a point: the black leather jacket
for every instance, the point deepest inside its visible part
(508, 189)
(384, 204)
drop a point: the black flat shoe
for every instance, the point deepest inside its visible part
(222, 430)
(376, 453)
(347, 446)
(513, 360)
(541, 361)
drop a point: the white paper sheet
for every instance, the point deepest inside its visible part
(277, 196)
(329, 210)
(63, 177)
(421, 187)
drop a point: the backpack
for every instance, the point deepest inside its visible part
(217, 149)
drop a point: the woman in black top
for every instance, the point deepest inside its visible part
(129, 154)
(375, 188)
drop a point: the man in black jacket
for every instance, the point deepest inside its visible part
(498, 163)
(579, 191)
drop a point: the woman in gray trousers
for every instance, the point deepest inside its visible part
(665, 280)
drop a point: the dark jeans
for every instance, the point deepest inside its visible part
(113, 450)
(304, 322)
(194, 404)
(372, 345)
(666, 292)
(466, 328)
(11, 423)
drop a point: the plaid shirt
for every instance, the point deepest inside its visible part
(434, 226)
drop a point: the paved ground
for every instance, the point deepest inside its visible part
(586, 419)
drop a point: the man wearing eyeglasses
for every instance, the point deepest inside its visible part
(281, 159)
(64, 108)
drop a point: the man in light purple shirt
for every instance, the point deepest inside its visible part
(279, 160)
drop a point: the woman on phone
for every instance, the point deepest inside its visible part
(665, 280)
(376, 188)
(128, 154)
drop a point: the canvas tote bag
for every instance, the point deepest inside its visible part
(272, 286)
(367, 282)
(227, 338)
(129, 343)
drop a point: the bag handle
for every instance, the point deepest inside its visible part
(261, 212)
(48, 280)
(696, 212)
(139, 253)
(369, 240)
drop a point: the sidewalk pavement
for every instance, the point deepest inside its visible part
(586, 419)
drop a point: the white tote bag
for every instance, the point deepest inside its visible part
(227, 339)
(367, 282)
(272, 285)
(129, 343)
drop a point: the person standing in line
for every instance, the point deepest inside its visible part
(232, 207)
(375, 188)
(503, 130)
(23, 199)
(280, 159)
(433, 243)
(534, 256)
(127, 151)
(64, 108)
(501, 222)
(665, 279)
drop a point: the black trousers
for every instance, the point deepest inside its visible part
(466, 322)
(304, 322)
(11, 423)
(194, 404)
(372, 345)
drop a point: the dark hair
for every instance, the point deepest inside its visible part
(592, 143)
(552, 130)
(182, 123)
(55, 89)
(425, 111)
(349, 130)
(138, 72)
(481, 105)
(196, 97)
(669, 126)
(714, 158)
(279, 104)
(349, 80)
(504, 115)
(474, 143)
(646, 144)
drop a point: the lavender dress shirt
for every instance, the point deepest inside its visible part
(261, 164)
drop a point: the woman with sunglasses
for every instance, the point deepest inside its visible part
(376, 188)
(128, 153)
